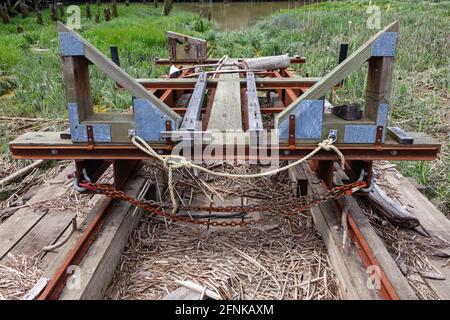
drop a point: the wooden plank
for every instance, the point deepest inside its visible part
(261, 83)
(102, 258)
(119, 75)
(226, 109)
(430, 218)
(23, 220)
(339, 73)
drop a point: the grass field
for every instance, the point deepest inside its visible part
(31, 80)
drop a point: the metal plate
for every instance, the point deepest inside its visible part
(385, 45)
(78, 132)
(308, 121)
(149, 120)
(70, 45)
(360, 134)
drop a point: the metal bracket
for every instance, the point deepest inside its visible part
(80, 132)
(70, 45)
(149, 120)
(309, 120)
(385, 45)
(379, 138)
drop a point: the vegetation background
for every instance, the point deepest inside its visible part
(31, 79)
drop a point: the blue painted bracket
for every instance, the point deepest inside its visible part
(366, 133)
(70, 45)
(78, 132)
(385, 45)
(149, 120)
(308, 121)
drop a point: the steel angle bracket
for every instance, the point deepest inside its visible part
(150, 122)
(79, 132)
(385, 45)
(308, 121)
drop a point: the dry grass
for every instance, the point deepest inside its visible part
(17, 276)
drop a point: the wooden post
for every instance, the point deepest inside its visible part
(88, 10)
(39, 19)
(167, 7)
(78, 86)
(115, 13)
(378, 89)
(60, 7)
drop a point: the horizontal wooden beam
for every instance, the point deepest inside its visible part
(261, 83)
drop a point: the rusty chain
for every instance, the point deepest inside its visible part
(293, 205)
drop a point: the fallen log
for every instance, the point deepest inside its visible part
(390, 209)
(267, 63)
(21, 172)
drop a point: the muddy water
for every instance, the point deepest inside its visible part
(237, 15)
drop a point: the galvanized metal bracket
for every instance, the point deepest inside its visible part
(308, 121)
(150, 122)
(70, 45)
(79, 131)
(385, 45)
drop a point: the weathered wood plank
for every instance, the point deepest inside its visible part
(430, 218)
(23, 220)
(100, 262)
(226, 108)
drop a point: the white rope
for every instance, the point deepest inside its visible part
(171, 162)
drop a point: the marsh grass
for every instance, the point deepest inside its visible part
(420, 91)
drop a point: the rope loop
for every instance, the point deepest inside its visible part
(172, 162)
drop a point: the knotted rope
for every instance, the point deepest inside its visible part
(172, 162)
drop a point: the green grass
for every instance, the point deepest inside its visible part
(420, 91)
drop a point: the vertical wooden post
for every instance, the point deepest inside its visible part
(77, 83)
(378, 89)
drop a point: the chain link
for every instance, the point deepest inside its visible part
(292, 206)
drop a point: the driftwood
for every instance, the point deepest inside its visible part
(21, 172)
(391, 210)
(267, 63)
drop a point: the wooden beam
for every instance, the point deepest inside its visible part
(100, 262)
(261, 83)
(119, 75)
(339, 73)
(226, 108)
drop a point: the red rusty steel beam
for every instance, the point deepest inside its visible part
(287, 95)
(58, 282)
(113, 152)
(387, 290)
